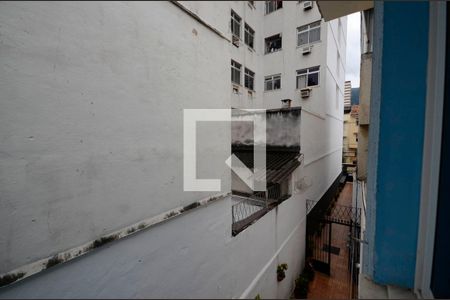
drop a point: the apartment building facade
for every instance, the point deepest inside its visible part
(347, 95)
(92, 163)
(295, 56)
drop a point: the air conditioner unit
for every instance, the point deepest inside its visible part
(306, 50)
(235, 40)
(307, 5)
(305, 93)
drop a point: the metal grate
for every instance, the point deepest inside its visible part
(245, 208)
(251, 208)
(272, 194)
(340, 214)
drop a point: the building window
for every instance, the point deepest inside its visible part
(308, 34)
(273, 6)
(235, 72)
(273, 43)
(272, 82)
(235, 24)
(307, 77)
(249, 79)
(249, 36)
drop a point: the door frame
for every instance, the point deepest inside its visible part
(432, 148)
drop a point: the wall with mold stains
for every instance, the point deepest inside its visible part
(190, 256)
(91, 119)
(282, 128)
(91, 110)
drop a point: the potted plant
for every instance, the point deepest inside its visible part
(302, 282)
(281, 271)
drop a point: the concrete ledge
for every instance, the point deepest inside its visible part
(70, 254)
(367, 289)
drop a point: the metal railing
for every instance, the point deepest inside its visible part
(338, 213)
(245, 208)
(253, 207)
(273, 193)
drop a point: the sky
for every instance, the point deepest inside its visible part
(353, 49)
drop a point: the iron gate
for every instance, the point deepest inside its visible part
(319, 233)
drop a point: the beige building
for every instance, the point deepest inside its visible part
(364, 91)
(350, 143)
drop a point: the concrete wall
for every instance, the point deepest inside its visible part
(364, 113)
(350, 135)
(191, 256)
(364, 90)
(322, 158)
(89, 114)
(282, 129)
(363, 149)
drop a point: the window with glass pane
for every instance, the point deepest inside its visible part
(249, 80)
(267, 84)
(307, 77)
(273, 43)
(277, 82)
(302, 35)
(301, 81)
(273, 5)
(308, 34)
(314, 32)
(272, 82)
(235, 24)
(313, 79)
(235, 72)
(249, 36)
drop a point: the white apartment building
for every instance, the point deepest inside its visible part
(294, 49)
(347, 95)
(91, 160)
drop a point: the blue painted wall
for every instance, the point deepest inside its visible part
(400, 141)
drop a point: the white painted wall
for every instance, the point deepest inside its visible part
(282, 129)
(91, 118)
(192, 256)
(322, 113)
